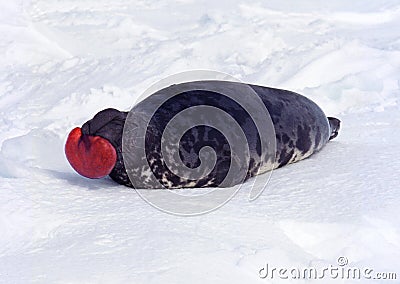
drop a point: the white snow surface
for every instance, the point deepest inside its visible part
(63, 61)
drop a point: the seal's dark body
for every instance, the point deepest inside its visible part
(300, 125)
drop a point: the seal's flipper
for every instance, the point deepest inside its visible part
(334, 125)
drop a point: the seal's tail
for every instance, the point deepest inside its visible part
(334, 124)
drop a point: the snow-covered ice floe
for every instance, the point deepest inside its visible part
(63, 61)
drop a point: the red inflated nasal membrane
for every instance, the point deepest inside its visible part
(90, 156)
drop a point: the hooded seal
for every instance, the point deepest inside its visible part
(299, 125)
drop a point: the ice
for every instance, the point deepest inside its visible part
(63, 61)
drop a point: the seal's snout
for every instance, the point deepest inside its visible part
(90, 156)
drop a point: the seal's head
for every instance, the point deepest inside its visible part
(94, 150)
(91, 156)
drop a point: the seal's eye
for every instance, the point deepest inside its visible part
(90, 156)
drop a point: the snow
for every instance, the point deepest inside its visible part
(63, 61)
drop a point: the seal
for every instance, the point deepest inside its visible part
(299, 125)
